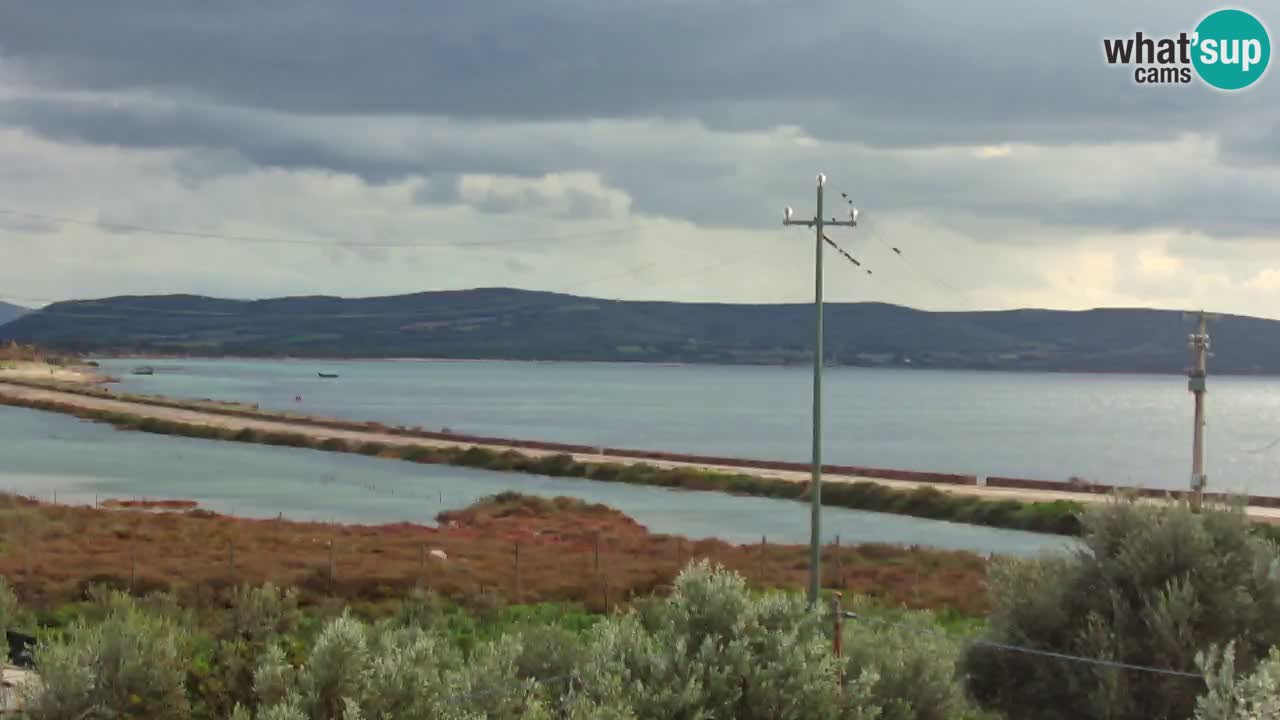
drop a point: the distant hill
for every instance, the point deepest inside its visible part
(526, 325)
(9, 311)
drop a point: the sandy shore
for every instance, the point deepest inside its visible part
(215, 419)
(28, 370)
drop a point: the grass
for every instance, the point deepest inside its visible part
(52, 554)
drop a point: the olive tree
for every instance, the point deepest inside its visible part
(1231, 697)
(711, 650)
(1151, 584)
(131, 664)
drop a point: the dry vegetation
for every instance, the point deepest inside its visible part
(53, 553)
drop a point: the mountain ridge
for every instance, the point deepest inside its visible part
(515, 324)
(9, 311)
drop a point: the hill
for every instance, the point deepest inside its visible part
(503, 323)
(9, 311)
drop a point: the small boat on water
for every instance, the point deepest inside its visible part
(144, 370)
(328, 375)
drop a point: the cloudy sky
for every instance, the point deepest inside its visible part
(629, 148)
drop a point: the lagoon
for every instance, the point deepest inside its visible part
(47, 454)
(1118, 429)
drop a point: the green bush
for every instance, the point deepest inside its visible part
(711, 650)
(12, 616)
(477, 457)
(1228, 697)
(393, 672)
(914, 666)
(222, 673)
(132, 664)
(1152, 585)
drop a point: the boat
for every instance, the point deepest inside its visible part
(144, 370)
(328, 375)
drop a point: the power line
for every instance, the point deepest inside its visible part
(915, 267)
(1264, 448)
(841, 250)
(126, 227)
(1033, 651)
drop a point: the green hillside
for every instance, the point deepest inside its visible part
(517, 324)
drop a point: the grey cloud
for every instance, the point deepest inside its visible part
(1256, 145)
(677, 170)
(914, 73)
(516, 265)
(28, 225)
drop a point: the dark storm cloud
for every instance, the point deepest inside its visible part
(439, 90)
(920, 72)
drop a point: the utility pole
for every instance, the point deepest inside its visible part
(1199, 343)
(815, 489)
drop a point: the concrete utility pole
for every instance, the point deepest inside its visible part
(1199, 342)
(815, 490)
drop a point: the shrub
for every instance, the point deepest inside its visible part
(394, 673)
(11, 615)
(222, 676)
(556, 465)
(130, 664)
(1253, 697)
(1151, 585)
(476, 456)
(713, 651)
(914, 665)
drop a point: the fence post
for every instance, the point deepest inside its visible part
(839, 566)
(597, 546)
(837, 642)
(330, 563)
(764, 542)
(517, 570)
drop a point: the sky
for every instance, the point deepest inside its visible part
(637, 149)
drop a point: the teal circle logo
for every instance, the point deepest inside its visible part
(1232, 49)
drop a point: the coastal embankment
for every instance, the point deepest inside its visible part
(998, 502)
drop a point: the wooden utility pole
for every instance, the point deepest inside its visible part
(815, 489)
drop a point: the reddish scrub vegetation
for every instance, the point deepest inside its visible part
(150, 504)
(566, 550)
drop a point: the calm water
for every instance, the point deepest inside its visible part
(45, 453)
(1108, 428)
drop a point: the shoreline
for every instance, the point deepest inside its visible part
(1012, 509)
(989, 487)
(676, 363)
(1009, 504)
